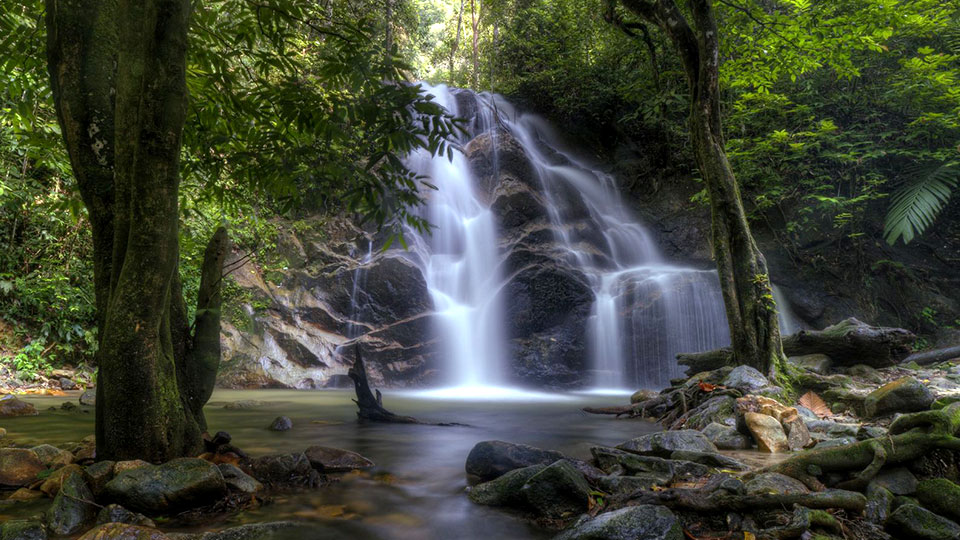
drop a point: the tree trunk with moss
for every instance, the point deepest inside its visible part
(118, 73)
(744, 278)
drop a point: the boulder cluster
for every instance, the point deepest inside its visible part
(107, 499)
(864, 453)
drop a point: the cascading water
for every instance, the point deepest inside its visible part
(645, 310)
(460, 260)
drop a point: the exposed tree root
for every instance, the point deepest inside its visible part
(910, 437)
(715, 497)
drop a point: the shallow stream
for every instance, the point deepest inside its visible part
(416, 491)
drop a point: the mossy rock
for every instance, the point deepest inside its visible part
(504, 490)
(903, 395)
(940, 495)
(911, 521)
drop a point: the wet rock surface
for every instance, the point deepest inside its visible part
(490, 459)
(178, 484)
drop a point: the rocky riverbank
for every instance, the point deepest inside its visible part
(867, 453)
(128, 499)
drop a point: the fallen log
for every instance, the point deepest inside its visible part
(370, 407)
(847, 343)
(934, 357)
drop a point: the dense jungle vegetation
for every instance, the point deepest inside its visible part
(842, 123)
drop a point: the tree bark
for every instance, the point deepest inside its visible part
(456, 42)
(742, 269)
(118, 74)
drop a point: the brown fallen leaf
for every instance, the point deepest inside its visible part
(815, 403)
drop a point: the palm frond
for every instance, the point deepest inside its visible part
(916, 205)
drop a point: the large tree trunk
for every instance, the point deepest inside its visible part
(118, 76)
(744, 280)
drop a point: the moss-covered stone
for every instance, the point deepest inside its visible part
(911, 521)
(940, 495)
(558, 490)
(642, 522)
(505, 489)
(903, 395)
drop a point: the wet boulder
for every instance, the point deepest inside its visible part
(19, 467)
(641, 522)
(940, 495)
(746, 379)
(98, 474)
(89, 398)
(73, 509)
(11, 406)
(727, 437)
(176, 485)
(719, 409)
(767, 432)
(664, 443)
(557, 491)
(53, 457)
(817, 363)
(114, 513)
(642, 395)
(237, 480)
(767, 483)
(490, 459)
(284, 470)
(51, 484)
(912, 521)
(22, 530)
(281, 423)
(903, 395)
(123, 531)
(505, 489)
(334, 460)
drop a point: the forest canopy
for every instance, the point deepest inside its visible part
(834, 113)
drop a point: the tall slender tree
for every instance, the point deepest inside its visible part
(744, 278)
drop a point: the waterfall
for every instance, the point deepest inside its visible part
(460, 261)
(645, 309)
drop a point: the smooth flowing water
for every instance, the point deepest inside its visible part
(416, 491)
(646, 310)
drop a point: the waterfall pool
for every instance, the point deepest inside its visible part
(417, 489)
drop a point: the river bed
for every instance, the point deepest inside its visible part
(417, 489)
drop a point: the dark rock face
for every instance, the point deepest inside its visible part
(490, 459)
(176, 485)
(911, 521)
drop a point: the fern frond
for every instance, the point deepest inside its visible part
(915, 206)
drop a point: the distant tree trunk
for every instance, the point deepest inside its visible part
(744, 278)
(475, 16)
(456, 42)
(388, 38)
(493, 56)
(118, 71)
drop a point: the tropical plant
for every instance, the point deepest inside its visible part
(915, 206)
